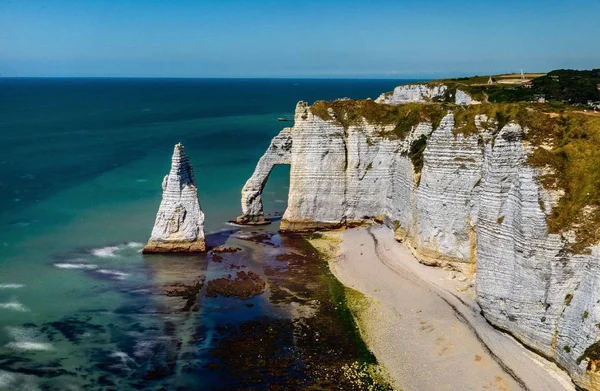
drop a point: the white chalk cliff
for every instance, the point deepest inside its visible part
(179, 225)
(475, 205)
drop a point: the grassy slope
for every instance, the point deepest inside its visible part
(570, 86)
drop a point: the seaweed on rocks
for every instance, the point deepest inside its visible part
(244, 286)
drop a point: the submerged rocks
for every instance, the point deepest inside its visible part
(244, 286)
(179, 225)
(225, 249)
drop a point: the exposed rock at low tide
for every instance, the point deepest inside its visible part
(179, 225)
(187, 292)
(244, 286)
(225, 249)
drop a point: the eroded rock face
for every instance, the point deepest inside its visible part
(473, 205)
(422, 93)
(412, 93)
(462, 98)
(279, 152)
(179, 225)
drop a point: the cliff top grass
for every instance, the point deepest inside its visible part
(565, 147)
(347, 112)
(562, 85)
(568, 147)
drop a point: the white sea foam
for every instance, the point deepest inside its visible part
(11, 286)
(119, 275)
(17, 382)
(233, 224)
(124, 357)
(105, 252)
(68, 265)
(243, 235)
(28, 345)
(25, 339)
(134, 245)
(280, 201)
(6, 379)
(15, 306)
(144, 348)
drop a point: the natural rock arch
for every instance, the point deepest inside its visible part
(279, 152)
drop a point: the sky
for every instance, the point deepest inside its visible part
(300, 38)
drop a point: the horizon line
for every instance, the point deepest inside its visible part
(226, 77)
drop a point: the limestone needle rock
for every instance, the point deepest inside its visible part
(179, 225)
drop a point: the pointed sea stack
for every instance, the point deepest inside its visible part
(179, 225)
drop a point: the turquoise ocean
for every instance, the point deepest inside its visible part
(81, 165)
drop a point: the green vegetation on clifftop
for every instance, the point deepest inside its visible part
(348, 112)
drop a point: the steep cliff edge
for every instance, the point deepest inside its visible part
(508, 191)
(179, 225)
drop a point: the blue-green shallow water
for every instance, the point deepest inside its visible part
(81, 162)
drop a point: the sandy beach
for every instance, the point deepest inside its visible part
(424, 325)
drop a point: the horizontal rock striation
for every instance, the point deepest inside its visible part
(462, 199)
(179, 225)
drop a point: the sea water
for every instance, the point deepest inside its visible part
(81, 166)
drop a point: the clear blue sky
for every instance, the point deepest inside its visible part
(301, 38)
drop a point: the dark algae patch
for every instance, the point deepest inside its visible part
(244, 286)
(592, 355)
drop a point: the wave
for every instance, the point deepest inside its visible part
(17, 381)
(244, 235)
(134, 245)
(28, 345)
(25, 339)
(124, 357)
(105, 252)
(119, 275)
(144, 348)
(68, 265)
(6, 379)
(11, 286)
(15, 306)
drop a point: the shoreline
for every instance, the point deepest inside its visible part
(423, 323)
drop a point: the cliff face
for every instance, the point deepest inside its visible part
(469, 200)
(179, 225)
